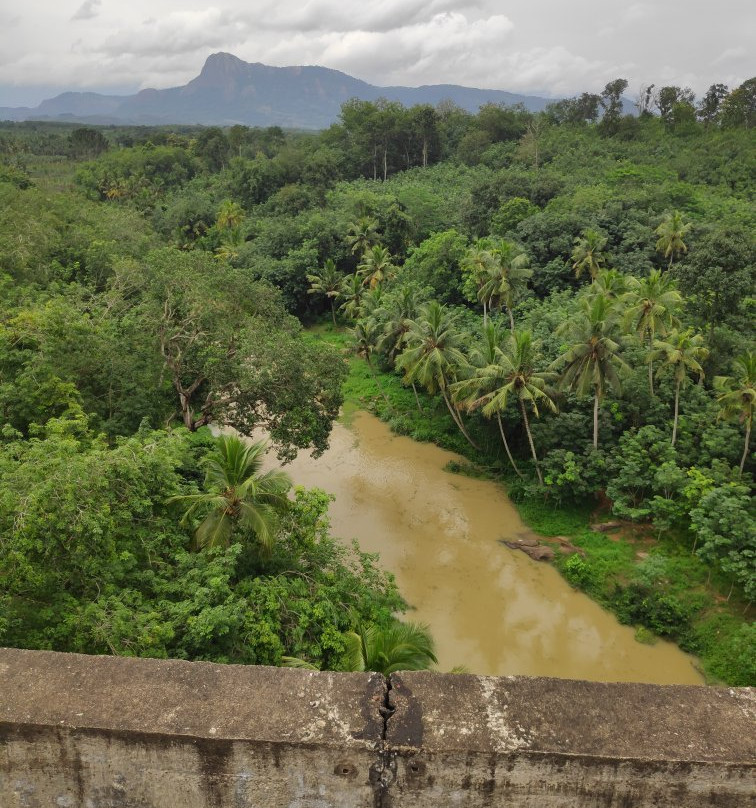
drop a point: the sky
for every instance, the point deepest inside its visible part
(542, 47)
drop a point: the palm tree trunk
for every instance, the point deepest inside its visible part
(677, 410)
(595, 419)
(530, 440)
(485, 314)
(458, 420)
(333, 312)
(377, 382)
(650, 362)
(506, 447)
(511, 320)
(417, 399)
(745, 448)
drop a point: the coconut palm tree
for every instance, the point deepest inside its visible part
(351, 291)
(362, 235)
(230, 215)
(671, 232)
(587, 253)
(594, 360)
(394, 319)
(326, 282)
(376, 266)
(365, 337)
(737, 396)
(651, 303)
(682, 353)
(433, 356)
(477, 266)
(506, 278)
(485, 361)
(384, 649)
(238, 498)
(608, 283)
(513, 375)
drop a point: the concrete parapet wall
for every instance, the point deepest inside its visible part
(108, 732)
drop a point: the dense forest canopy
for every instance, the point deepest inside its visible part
(569, 293)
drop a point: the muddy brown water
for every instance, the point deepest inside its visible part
(489, 608)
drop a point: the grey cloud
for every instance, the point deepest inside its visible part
(87, 10)
(185, 32)
(329, 16)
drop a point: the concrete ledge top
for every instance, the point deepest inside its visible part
(197, 699)
(520, 714)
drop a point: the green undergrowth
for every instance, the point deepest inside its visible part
(658, 586)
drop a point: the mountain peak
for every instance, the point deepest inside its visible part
(229, 90)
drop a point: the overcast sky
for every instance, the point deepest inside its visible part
(545, 47)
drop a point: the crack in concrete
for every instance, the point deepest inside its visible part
(383, 771)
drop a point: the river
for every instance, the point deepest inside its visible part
(489, 608)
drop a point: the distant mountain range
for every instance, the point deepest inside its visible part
(229, 91)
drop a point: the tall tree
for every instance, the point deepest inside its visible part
(376, 266)
(594, 360)
(708, 108)
(352, 291)
(477, 266)
(650, 310)
(433, 356)
(671, 232)
(506, 277)
(238, 498)
(682, 353)
(513, 375)
(327, 281)
(587, 254)
(486, 377)
(736, 396)
(362, 235)
(611, 103)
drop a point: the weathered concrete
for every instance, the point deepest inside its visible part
(107, 732)
(555, 743)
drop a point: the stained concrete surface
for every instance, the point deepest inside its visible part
(106, 732)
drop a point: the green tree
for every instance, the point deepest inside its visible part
(682, 353)
(736, 396)
(485, 379)
(506, 277)
(671, 232)
(725, 528)
(594, 360)
(385, 649)
(396, 647)
(477, 265)
(362, 235)
(514, 375)
(611, 103)
(327, 282)
(239, 499)
(587, 253)
(352, 291)
(376, 267)
(231, 352)
(708, 108)
(651, 304)
(433, 356)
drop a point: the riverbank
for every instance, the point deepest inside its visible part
(655, 585)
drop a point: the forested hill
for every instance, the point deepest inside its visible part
(230, 91)
(570, 294)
